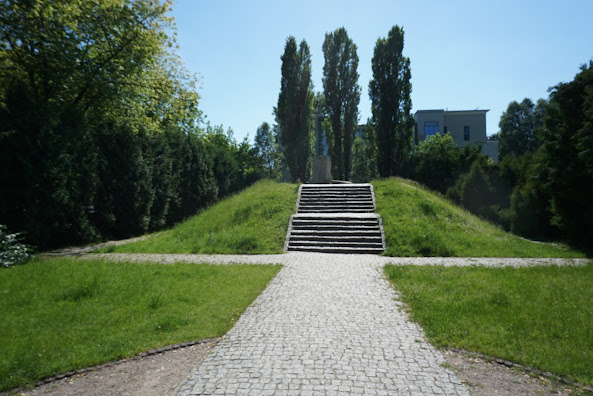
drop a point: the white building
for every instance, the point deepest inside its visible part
(466, 127)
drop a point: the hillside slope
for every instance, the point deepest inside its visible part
(419, 222)
(253, 221)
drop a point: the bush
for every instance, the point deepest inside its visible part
(11, 251)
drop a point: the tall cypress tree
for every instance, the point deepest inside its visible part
(342, 95)
(294, 110)
(390, 91)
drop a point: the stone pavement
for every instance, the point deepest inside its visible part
(326, 324)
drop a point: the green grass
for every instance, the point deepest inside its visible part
(253, 221)
(63, 314)
(419, 222)
(540, 316)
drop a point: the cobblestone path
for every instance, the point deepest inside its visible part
(326, 324)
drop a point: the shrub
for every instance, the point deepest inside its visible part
(11, 251)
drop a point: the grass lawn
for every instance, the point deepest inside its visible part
(540, 316)
(64, 314)
(253, 221)
(418, 222)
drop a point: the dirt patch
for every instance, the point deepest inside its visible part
(157, 374)
(161, 373)
(81, 250)
(482, 377)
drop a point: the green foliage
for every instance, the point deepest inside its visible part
(518, 128)
(252, 222)
(418, 222)
(361, 161)
(267, 149)
(295, 107)
(12, 252)
(474, 187)
(391, 103)
(436, 162)
(568, 156)
(98, 124)
(64, 314)
(539, 316)
(342, 96)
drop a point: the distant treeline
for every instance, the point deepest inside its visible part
(542, 186)
(99, 134)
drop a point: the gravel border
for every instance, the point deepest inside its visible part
(139, 356)
(524, 368)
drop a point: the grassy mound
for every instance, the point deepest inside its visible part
(64, 314)
(539, 316)
(418, 222)
(253, 221)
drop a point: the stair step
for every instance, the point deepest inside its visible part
(335, 223)
(336, 199)
(336, 218)
(376, 245)
(331, 230)
(341, 232)
(336, 196)
(333, 240)
(337, 210)
(329, 249)
(344, 208)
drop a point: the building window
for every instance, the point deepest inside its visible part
(446, 131)
(431, 128)
(466, 133)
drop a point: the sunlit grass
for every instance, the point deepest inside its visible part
(64, 314)
(540, 316)
(253, 221)
(419, 222)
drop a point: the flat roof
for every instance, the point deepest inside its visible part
(452, 111)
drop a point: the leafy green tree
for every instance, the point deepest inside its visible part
(436, 162)
(295, 107)
(518, 128)
(568, 155)
(391, 103)
(267, 149)
(251, 165)
(97, 122)
(475, 189)
(372, 148)
(61, 60)
(361, 161)
(342, 96)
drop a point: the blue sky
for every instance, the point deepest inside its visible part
(464, 54)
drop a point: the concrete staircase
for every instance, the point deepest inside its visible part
(335, 218)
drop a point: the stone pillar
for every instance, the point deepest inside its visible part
(322, 165)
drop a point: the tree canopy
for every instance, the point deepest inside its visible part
(342, 96)
(99, 133)
(295, 108)
(519, 126)
(391, 103)
(568, 155)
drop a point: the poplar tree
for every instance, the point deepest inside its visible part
(342, 95)
(390, 91)
(295, 106)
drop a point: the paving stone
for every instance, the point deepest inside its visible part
(325, 324)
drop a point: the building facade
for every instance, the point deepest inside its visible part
(465, 127)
